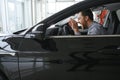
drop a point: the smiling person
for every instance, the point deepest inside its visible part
(85, 18)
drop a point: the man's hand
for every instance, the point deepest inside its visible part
(73, 24)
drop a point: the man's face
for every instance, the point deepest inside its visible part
(82, 20)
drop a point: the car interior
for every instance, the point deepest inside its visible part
(107, 15)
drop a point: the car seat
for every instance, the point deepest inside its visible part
(113, 24)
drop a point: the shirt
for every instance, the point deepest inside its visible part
(95, 29)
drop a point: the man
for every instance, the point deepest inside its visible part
(86, 20)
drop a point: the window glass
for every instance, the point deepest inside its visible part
(118, 14)
(11, 16)
(18, 15)
(100, 15)
(64, 0)
(15, 15)
(53, 6)
(0, 20)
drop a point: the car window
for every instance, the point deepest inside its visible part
(118, 28)
(118, 14)
(104, 14)
(100, 15)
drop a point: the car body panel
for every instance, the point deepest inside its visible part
(8, 60)
(80, 54)
(88, 57)
(77, 57)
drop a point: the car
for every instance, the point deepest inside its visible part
(50, 51)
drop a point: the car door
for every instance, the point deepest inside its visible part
(8, 60)
(32, 58)
(85, 57)
(70, 57)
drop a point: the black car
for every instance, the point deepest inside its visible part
(50, 51)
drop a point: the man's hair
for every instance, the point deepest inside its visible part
(88, 13)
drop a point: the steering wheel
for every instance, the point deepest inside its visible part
(67, 30)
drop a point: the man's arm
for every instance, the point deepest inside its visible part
(73, 24)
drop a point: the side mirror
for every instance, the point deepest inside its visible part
(38, 32)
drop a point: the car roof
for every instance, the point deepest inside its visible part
(75, 9)
(111, 7)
